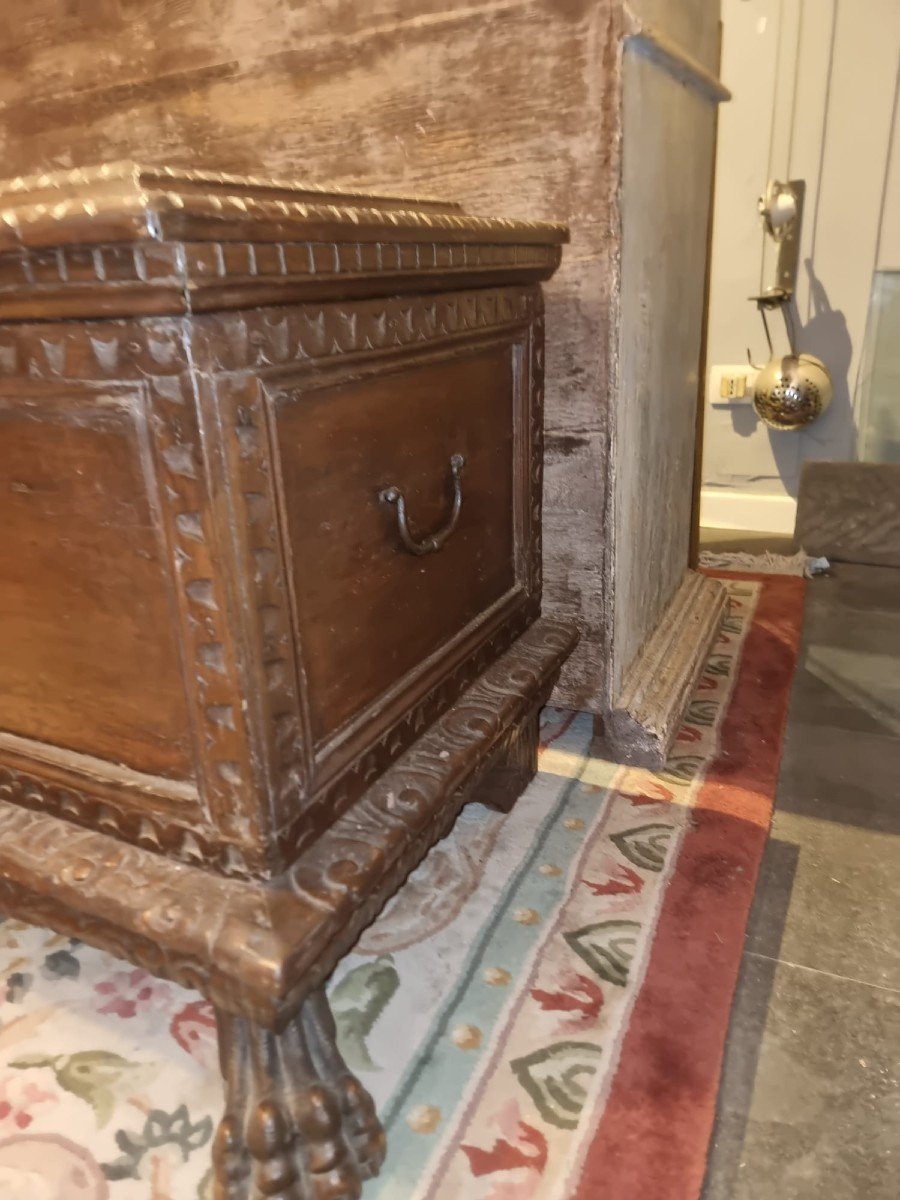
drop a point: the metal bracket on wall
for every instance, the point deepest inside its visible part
(781, 209)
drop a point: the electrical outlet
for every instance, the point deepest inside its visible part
(732, 387)
(732, 384)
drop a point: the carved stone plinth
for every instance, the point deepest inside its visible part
(658, 686)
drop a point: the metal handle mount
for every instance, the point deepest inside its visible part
(434, 541)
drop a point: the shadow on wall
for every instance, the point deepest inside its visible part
(825, 335)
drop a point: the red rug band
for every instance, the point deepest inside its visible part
(654, 1134)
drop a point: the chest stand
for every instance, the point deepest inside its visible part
(297, 1124)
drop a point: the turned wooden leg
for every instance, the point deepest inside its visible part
(297, 1124)
(512, 767)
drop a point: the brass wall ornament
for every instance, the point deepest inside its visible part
(792, 391)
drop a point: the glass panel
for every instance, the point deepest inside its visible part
(879, 380)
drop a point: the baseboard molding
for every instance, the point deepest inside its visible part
(722, 508)
(658, 686)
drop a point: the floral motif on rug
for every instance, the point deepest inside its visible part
(485, 1009)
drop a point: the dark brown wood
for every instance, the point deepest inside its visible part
(339, 448)
(510, 105)
(296, 1121)
(256, 947)
(511, 768)
(90, 661)
(236, 705)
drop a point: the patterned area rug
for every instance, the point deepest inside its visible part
(540, 1013)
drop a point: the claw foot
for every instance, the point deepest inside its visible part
(297, 1124)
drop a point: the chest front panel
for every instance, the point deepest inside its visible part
(270, 476)
(355, 641)
(379, 619)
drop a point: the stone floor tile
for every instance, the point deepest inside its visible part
(822, 1121)
(849, 777)
(852, 586)
(829, 898)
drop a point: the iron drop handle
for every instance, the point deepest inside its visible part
(434, 541)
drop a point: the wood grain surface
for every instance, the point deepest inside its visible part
(509, 106)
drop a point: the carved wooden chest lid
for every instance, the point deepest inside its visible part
(123, 239)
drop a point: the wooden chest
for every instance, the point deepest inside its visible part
(270, 575)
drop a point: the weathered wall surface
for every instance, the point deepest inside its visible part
(509, 106)
(668, 137)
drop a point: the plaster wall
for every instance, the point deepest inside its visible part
(815, 97)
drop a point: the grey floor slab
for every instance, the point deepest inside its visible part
(845, 776)
(833, 697)
(811, 1110)
(829, 899)
(809, 1103)
(868, 589)
(849, 670)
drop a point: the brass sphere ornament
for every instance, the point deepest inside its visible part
(790, 392)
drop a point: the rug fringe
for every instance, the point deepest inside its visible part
(761, 564)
